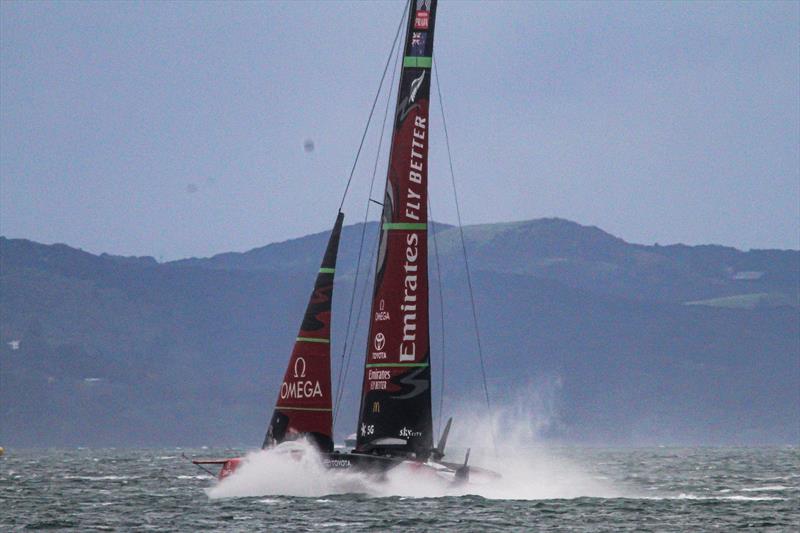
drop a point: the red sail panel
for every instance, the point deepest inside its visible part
(395, 410)
(304, 401)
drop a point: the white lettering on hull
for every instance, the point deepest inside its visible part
(337, 463)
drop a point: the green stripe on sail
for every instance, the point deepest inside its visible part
(405, 225)
(323, 409)
(327, 270)
(396, 365)
(418, 62)
(312, 339)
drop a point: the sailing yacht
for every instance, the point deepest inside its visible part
(395, 416)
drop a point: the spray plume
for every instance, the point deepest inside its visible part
(529, 469)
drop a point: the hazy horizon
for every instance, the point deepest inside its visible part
(359, 222)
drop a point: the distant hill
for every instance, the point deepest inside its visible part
(630, 344)
(578, 256)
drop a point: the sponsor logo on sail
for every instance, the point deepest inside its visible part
(421, 19)
(406, 432)
(382, 314)
(378, 374)
(300, 368)
(378, 378)
(413, 208)
(418, 41)
(377, 385)
(424, 5)
(408, 346)
(379, 342)
(300, 388)
(297, 390)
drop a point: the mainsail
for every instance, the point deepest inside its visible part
(303, 408)
(396, 396)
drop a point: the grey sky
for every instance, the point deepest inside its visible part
(178, 129)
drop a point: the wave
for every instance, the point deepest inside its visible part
(768, 488)
(101, 478)
(735, 498)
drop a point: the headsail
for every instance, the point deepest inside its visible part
(396, 397)
(304, 400)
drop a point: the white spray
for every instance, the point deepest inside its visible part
(529, 469)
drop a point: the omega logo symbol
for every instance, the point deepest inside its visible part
(300, 368)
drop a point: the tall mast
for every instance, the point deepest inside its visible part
(395, 413)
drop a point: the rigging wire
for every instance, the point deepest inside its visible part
(372, 109)
(355, 333)
(344, 363)
(464, 250)
(441, 317)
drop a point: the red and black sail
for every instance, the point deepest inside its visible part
(396, 398)
(304, 404)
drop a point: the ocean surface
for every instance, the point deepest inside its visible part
(543, 489)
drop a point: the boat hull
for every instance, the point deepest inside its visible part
(376, 466)
(379, 465)
(361, 462)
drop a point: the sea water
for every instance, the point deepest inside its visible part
(543, 488)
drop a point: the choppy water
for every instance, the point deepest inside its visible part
(665, 489)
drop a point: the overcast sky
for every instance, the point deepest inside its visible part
(178, 129)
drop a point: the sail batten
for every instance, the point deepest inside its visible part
(395, 408)
(304, 404)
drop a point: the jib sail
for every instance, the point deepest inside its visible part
(395, 409)
(303, 408)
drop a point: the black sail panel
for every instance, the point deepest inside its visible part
(395, 413)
